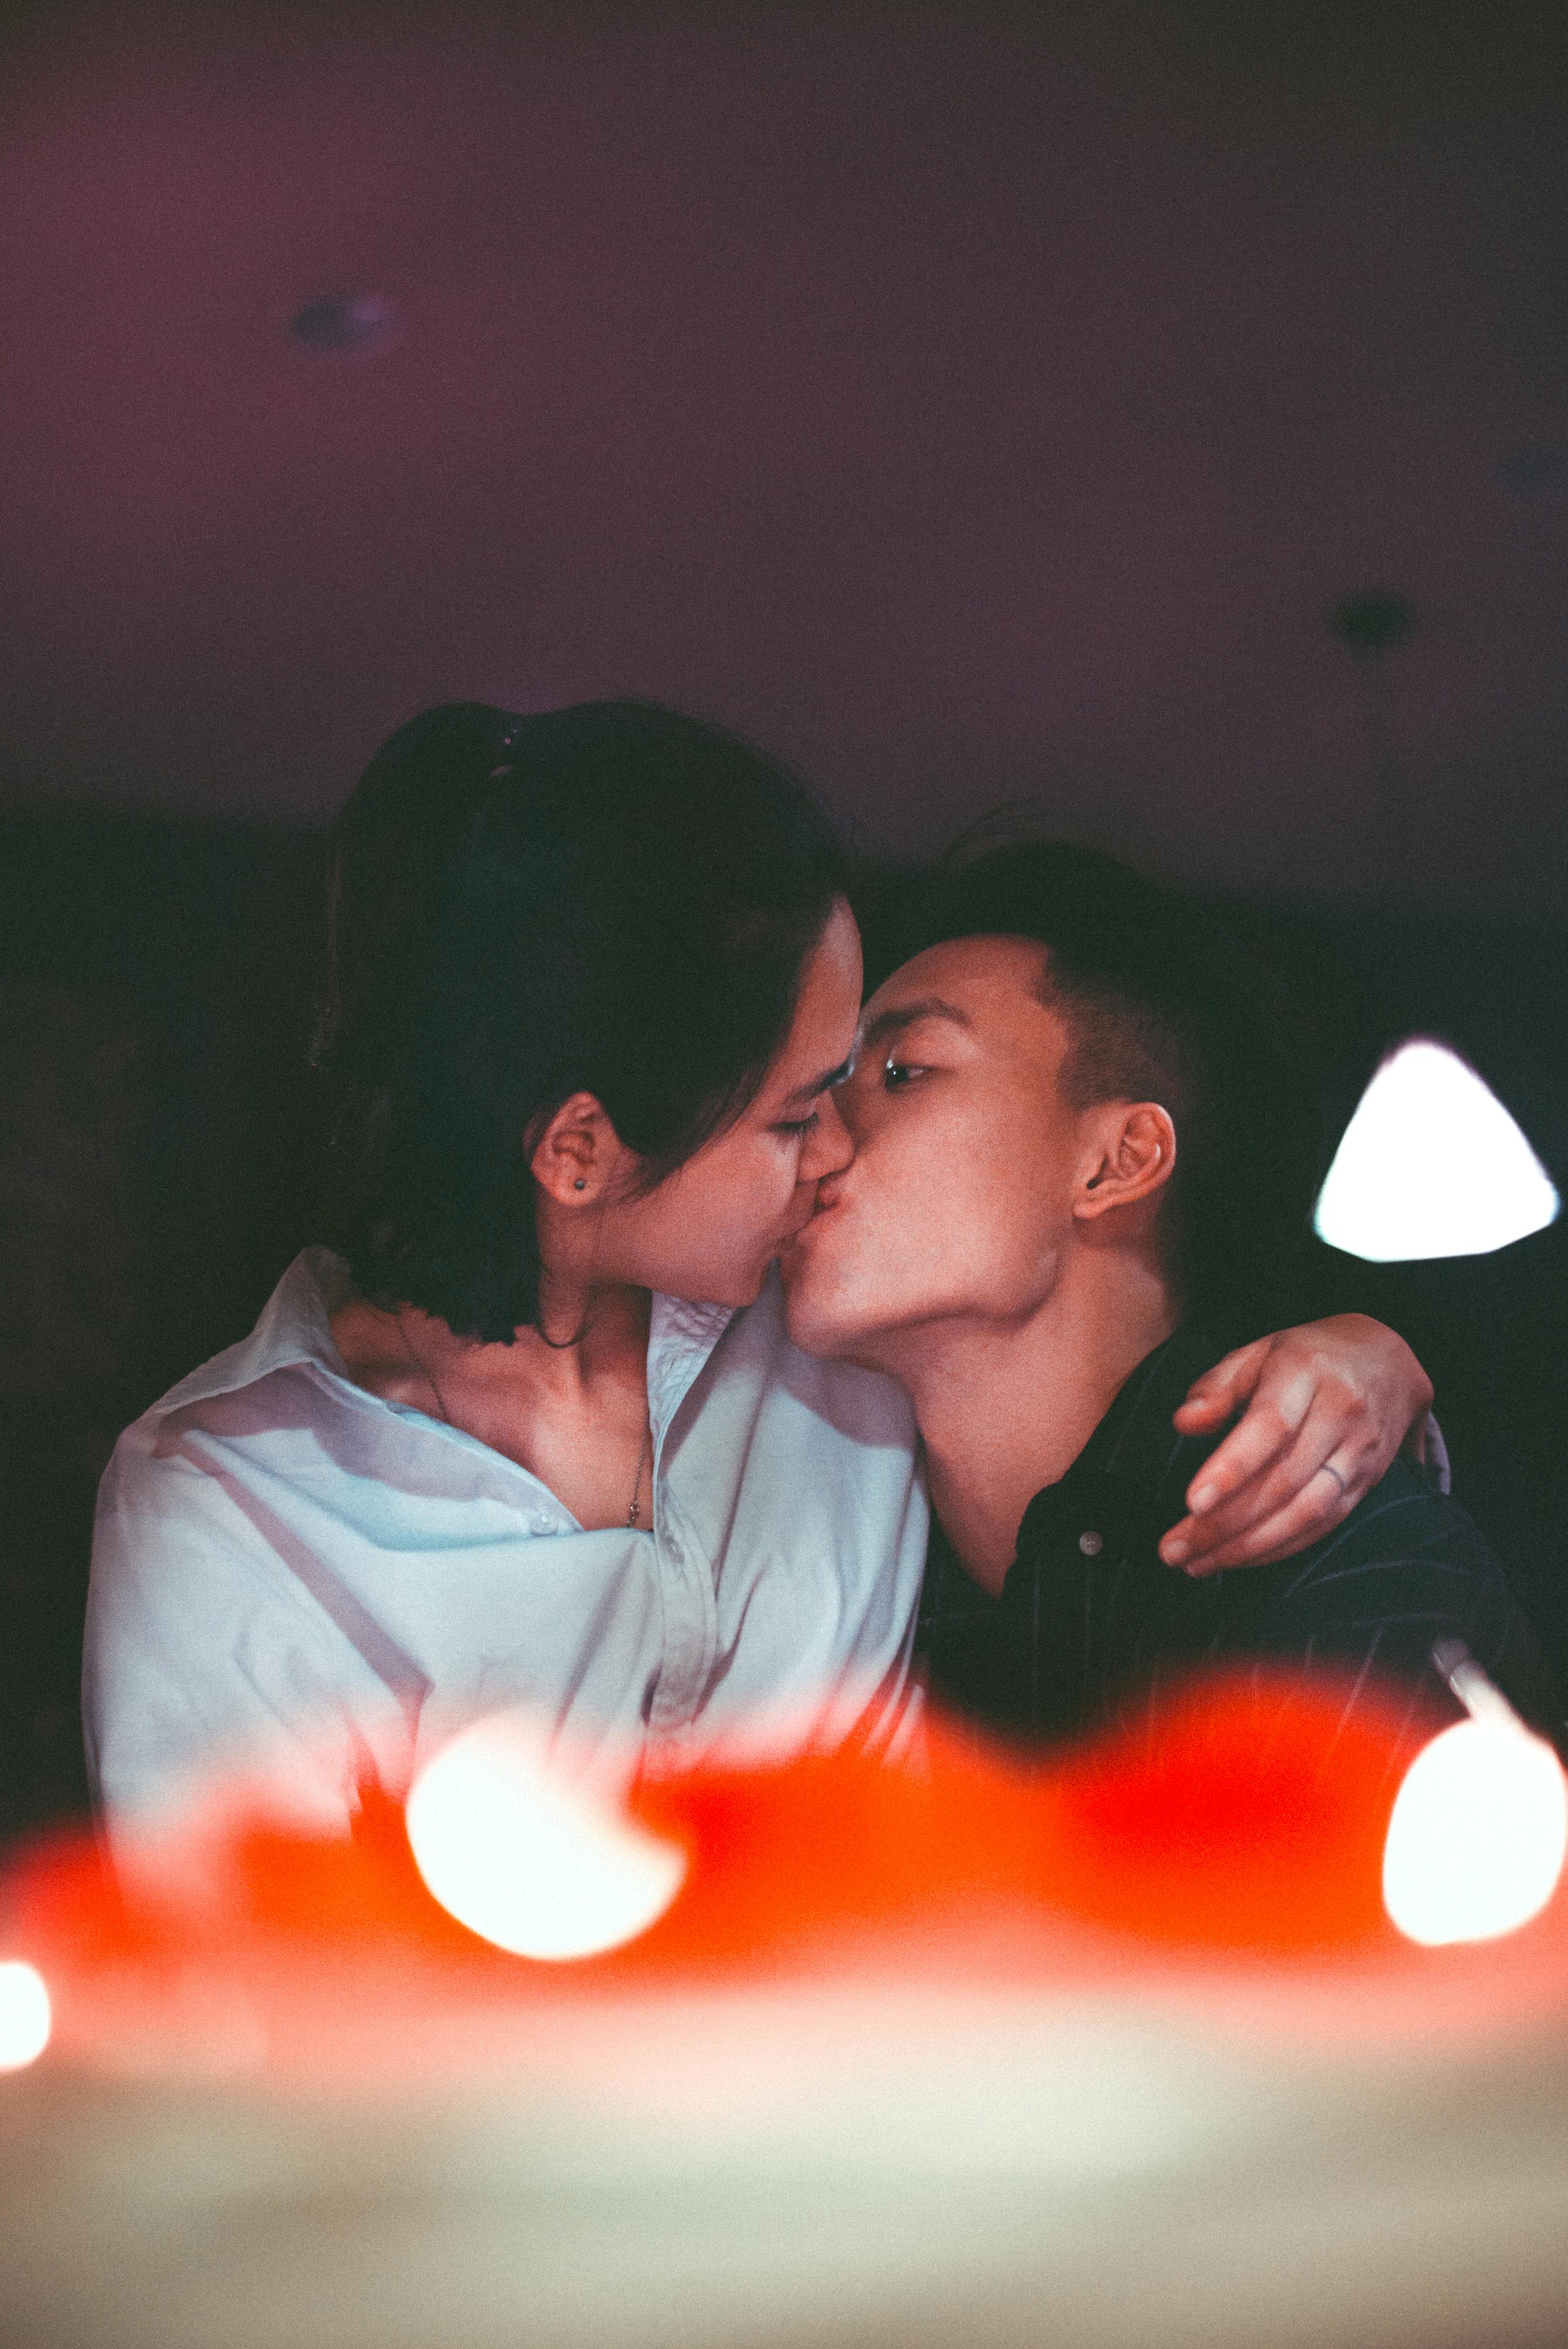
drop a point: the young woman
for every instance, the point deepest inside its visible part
(534, 1434)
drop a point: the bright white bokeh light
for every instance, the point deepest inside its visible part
(1431, 1164)
(518, 1853)
(25, 2016)
(1477, 1835)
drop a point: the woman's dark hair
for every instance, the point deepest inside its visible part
(613, 899)
(1159, 1004)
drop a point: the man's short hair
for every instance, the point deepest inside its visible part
(1160, 1005)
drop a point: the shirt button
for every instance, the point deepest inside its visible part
(675, 1552)
(1091, 1544)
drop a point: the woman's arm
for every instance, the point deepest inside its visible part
(1325, 1410)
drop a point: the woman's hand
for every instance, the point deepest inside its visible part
(1326, 1408)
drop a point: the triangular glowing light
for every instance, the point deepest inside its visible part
(1431, 1164)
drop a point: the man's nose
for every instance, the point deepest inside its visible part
(829, 1148)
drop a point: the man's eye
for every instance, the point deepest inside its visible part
(896, 1074)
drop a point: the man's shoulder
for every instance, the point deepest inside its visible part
(1408, 1569)
(1404, 1518)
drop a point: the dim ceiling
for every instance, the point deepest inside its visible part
(974, 403)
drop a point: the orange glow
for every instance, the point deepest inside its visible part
(1249, 1815)
(1245, 1814)
(1231, 1849)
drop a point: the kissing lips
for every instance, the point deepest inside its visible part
(818, 1217)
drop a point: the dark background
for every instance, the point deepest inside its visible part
(161, 1153)
(964, 396)
(969, 398)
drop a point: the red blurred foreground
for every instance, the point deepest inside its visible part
(1231, 1850)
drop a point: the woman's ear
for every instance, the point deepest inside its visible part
(577, 1157)
(1131, 1155)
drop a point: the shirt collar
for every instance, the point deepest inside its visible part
(295, 1327)
(1135, 1449)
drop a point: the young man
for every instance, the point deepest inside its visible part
(1078, 1132)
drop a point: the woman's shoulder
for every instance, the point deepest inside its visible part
(293, 1332)
(372, 1355)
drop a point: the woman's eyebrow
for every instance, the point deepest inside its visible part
(815, 1086)
(900, 1016)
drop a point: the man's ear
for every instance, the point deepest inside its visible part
(577, 1158)
(1129, 1155)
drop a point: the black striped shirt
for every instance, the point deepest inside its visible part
(1090, 1623)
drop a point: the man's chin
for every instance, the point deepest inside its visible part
(809, 1316)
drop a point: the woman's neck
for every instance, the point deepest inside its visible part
(568, 1400)
(585, 1338)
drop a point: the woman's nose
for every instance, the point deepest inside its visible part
(828, 1147)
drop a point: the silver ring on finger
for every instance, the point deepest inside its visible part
(1328, 1469)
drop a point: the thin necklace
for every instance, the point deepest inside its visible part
(424, 1369)
(634, 1515)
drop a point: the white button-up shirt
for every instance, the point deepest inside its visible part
(297, 1580)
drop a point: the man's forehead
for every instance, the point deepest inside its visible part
(980, 980)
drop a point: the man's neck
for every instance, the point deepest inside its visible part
(1005, 1408)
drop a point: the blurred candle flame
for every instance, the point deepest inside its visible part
(1227, 1850)
(25, 2017)
(526, 1858)
(1479, 1830)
